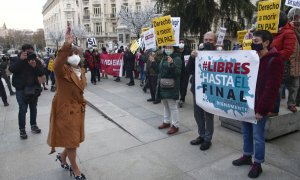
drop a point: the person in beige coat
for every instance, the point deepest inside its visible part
(68, 106)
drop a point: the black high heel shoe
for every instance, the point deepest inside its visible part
(81, 177)
(64, 166)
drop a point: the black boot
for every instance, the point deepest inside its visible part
(244, 160)
(255, 171)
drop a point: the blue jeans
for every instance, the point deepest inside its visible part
(23, 105)
(142, 72)
(256, 133)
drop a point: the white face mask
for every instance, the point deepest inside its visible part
(181, 45)
(74, 60)
(169, 51)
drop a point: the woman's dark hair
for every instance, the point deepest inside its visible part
(27, 47)
(265, 36)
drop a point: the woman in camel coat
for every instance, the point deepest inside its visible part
(68, 106)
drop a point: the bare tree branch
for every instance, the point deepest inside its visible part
(136, 20)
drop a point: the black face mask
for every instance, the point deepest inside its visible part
(208, 46)
(257, 47)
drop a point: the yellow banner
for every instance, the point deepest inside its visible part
(134, 46)
(241, 35)
(163, 31)
(145, 29)
(268, 15)
(247, 44)
(50, 65)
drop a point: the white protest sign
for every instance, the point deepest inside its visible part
(226, 83)
(221, 36)
(293, 3)
(91, 42)
(176, 29)
(149, 39)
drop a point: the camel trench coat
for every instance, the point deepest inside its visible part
(68, 105)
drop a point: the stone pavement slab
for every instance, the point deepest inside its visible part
(223, 169)
(178, 150)
(105, 142)
(134, 164)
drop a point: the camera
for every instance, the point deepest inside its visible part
(31, 56)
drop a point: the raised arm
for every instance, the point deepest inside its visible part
(63, 54)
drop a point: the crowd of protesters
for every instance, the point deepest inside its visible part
(166, 72)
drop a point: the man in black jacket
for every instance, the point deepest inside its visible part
(128, 58)
(204, 120)
(26, 69)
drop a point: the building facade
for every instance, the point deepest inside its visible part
(99, 19)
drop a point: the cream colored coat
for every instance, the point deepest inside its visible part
(68, 105)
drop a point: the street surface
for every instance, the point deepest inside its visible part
(123, 143)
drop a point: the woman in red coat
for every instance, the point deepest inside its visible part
(284, 41)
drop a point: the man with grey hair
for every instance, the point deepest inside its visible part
(293, 82)
(204, 120)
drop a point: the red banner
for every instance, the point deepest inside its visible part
(112, 64)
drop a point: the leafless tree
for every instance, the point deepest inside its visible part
(39, 39)
(79, 33)
(135, 20)
(56, 37)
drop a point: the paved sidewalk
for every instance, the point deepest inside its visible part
(126, 144)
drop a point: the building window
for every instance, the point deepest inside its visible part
(114, 27)
(125, 7)
(68, 6)
(113, 10)
(97, 10)
(86, 11)
(127, 38)
(98, 28)
(87, 28)
(138, 6)
(121, 38)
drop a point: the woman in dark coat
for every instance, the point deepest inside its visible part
(169, 70)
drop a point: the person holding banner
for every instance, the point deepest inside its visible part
(168, 88)
(103, 66)
(92, 64)
(204, 120)
(267, 87)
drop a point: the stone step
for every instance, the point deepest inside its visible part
(277, 126)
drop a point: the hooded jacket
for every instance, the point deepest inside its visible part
(268, 82)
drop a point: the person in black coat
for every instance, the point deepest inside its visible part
(129, 59)
(26, 69)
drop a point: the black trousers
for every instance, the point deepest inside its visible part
(152, 86)
(2, 92)
(98, 74)
(93, 74)
(184, 82)
(129, 73)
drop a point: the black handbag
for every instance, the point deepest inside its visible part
(32, 92)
